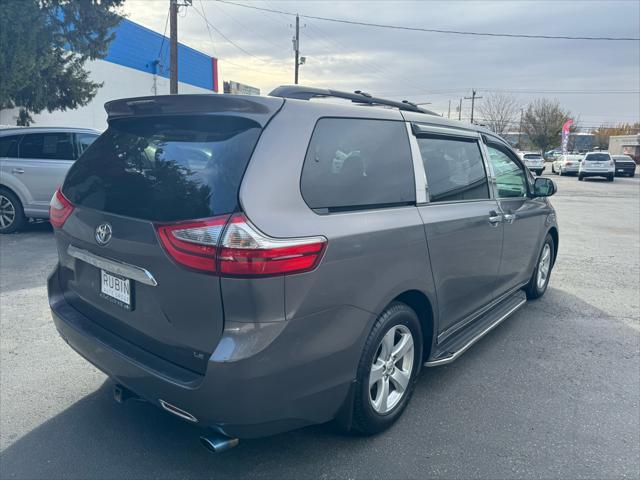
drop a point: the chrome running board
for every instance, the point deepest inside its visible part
(477, 330)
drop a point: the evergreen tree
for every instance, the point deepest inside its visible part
(44, 45)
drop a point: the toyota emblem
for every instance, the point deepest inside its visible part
(103, 233)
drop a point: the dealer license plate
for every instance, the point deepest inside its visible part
(116, 289)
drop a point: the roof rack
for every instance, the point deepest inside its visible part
(300, 92)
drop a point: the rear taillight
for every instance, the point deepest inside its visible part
(245, 251)
(234, 247)
(59, 209)
(193, 244)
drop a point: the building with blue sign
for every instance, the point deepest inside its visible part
(136, 65)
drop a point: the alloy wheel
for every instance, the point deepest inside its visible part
(7, 212)
(391, 369)
(544, 266)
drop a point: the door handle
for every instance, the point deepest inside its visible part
(509, 217)
(495, 218)
(17, 170)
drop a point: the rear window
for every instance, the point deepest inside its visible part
(358, 163)
(597, 157)
(164, 168)
(532, 156)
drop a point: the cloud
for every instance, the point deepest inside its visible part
(426, 67)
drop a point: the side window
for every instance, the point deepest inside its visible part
(358, 163)
(83, 140)
(510, 178)
(48, 146)
(9, 146)
(454, 169)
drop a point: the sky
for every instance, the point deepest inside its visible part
(255, 47)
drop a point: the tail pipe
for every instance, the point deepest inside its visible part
(216, 442)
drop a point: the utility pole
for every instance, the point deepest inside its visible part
(173, 54)
(460, 110)
(296, 47)
(173, 48)
(449, 112)
(473, 101)
(520, 130)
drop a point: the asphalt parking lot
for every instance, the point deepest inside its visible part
(554, 392)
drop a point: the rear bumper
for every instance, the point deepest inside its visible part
(601, 173)
(625, 169)
(296, 379)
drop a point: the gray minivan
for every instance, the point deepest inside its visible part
(258, 264)
(33, 163)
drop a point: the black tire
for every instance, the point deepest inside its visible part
(9, 201)
(580, 177)
(365, 419)
(553, 170)
(610, 178)
(532, 289)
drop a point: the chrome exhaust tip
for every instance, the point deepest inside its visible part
(217, 443)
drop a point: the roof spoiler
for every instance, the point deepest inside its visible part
(260, 109)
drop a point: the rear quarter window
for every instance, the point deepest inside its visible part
(165, 168)
(353, 164)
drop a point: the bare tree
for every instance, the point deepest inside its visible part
(604, 131)
(542, 122)
(499, 112)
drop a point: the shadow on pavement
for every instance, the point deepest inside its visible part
(534, 385)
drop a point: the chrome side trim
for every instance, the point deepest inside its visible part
(138, 274)
(177, 411)
(444, 361)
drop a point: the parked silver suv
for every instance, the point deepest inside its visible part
(257, 264)
(33, 163)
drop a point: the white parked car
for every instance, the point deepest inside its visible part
(533, 161)
(33, 163)
(567, 164)
(597, 164)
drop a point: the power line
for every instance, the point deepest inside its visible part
(252, 32)
(164, 33)
(207, 24)
(500, 90)
(246, 52)
(434, 30)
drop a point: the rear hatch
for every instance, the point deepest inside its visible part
(163, 161)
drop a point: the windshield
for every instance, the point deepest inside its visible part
(597, 157)
(164, 168)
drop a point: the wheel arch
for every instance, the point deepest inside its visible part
(553, 231)
(421, 304)
(13, 192)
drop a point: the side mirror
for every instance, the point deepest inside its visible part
(544, 187)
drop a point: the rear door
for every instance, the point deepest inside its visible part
(45, 159)
(141, 174)
(462, 223)
(523, 216)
